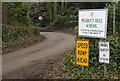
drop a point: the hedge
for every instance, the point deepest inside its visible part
(14, 36)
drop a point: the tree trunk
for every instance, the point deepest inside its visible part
(55, 9)
(49, 9)
(62, 5)
(66, 4)
(4, 13)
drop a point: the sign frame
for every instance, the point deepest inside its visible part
(108, 52)
(105, 28)
(88, 51)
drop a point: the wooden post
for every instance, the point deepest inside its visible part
(105, 69)
(113, 19)
(82, 68)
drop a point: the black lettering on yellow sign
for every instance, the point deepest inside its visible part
(82, 52)
(82, 45)
(82, 60)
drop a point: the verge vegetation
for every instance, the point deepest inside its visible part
(96, 69)
(14, 37)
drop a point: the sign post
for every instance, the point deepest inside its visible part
(40, 18)
(105, 69)
(114, 19)
(104, 54)
(82, 52)
(40, 14)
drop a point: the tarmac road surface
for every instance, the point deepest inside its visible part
(18, 63)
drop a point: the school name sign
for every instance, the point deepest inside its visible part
(93, 23)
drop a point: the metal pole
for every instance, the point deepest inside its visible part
(114, 19)
(39, 12)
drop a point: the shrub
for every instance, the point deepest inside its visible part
(71, 24)
(59, 22)
(95, 69)
(13, 36)
(62, 22)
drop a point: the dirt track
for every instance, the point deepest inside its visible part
(35, 61)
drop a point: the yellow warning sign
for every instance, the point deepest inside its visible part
(82, 52)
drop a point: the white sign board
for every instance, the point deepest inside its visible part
(104, 52)
(93, 23)
(40, 18)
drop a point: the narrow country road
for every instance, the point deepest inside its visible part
(23, 63)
